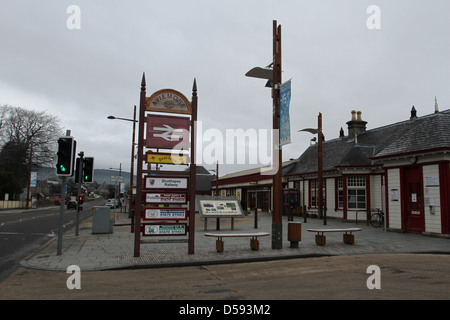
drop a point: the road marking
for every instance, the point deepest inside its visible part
(33, 234)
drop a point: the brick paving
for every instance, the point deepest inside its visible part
(115, 250)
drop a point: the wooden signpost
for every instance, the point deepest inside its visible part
(166, 140)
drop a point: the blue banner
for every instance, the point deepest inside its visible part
(285, 125)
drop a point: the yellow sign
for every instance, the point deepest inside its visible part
(166, 158)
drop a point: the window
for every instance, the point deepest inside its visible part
(356, 192)
(340, 193)
(313, 193)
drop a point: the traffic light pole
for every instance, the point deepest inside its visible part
(61, 215)
(61, 210)
(80, 179)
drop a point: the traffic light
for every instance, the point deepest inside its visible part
(66, 153)
(88, 169)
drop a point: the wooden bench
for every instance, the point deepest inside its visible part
(348, 237)
(254, 242)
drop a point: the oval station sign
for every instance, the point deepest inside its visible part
(168, 100)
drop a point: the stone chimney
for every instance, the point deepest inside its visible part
(356, 125)
(413, 113)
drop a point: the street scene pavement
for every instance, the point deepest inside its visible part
(109, 270)
(115, 250)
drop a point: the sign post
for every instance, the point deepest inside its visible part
(174, 136)
(140, 156)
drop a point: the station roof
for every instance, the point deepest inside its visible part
(369, 148)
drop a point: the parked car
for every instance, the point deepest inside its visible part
(72, 204)
(112, 203)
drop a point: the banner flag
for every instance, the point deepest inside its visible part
(285, 126)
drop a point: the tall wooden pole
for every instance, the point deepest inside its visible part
(130, 202)
(277, 226)
(193, 171)
(140, 156)
(320, 171)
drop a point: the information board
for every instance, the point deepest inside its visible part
(219, 207)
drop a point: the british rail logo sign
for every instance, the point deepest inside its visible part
(165, 132)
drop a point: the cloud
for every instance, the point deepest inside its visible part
(335, 62)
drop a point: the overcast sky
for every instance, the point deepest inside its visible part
(335, 61)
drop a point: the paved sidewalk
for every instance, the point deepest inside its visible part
(115, 250)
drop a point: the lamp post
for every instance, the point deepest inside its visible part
(130, 198)
(30, 164)
(217, 190)
(272, 73)
(319, 133)
(115, 186)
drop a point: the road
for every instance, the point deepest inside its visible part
(401, 276)
(22, 232)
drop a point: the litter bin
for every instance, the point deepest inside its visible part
(294, 233)
(102, 222)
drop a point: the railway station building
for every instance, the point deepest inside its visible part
(402, 168)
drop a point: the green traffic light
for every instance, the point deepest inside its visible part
(61, 167)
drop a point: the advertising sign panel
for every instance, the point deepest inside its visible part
(166, 132)
(166, 158)
(165, 214)
(166, 198)
(285, 100)
(166, 182)
(164, 230)
(33, 179)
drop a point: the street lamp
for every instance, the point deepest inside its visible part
(130, 197)
(272, 73)
(118, 118)
(217, 190)
(115, 186)
(319, 133)
(262, 73)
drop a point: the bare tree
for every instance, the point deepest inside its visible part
(3, 115)
(23, 132)
(24, 127)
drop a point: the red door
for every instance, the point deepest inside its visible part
(413, 208)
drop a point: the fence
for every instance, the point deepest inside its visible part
(13, 204)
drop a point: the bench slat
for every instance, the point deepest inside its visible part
(335, 230)
(229, 235)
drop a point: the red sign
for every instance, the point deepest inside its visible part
(166, 198)
(167, 132)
